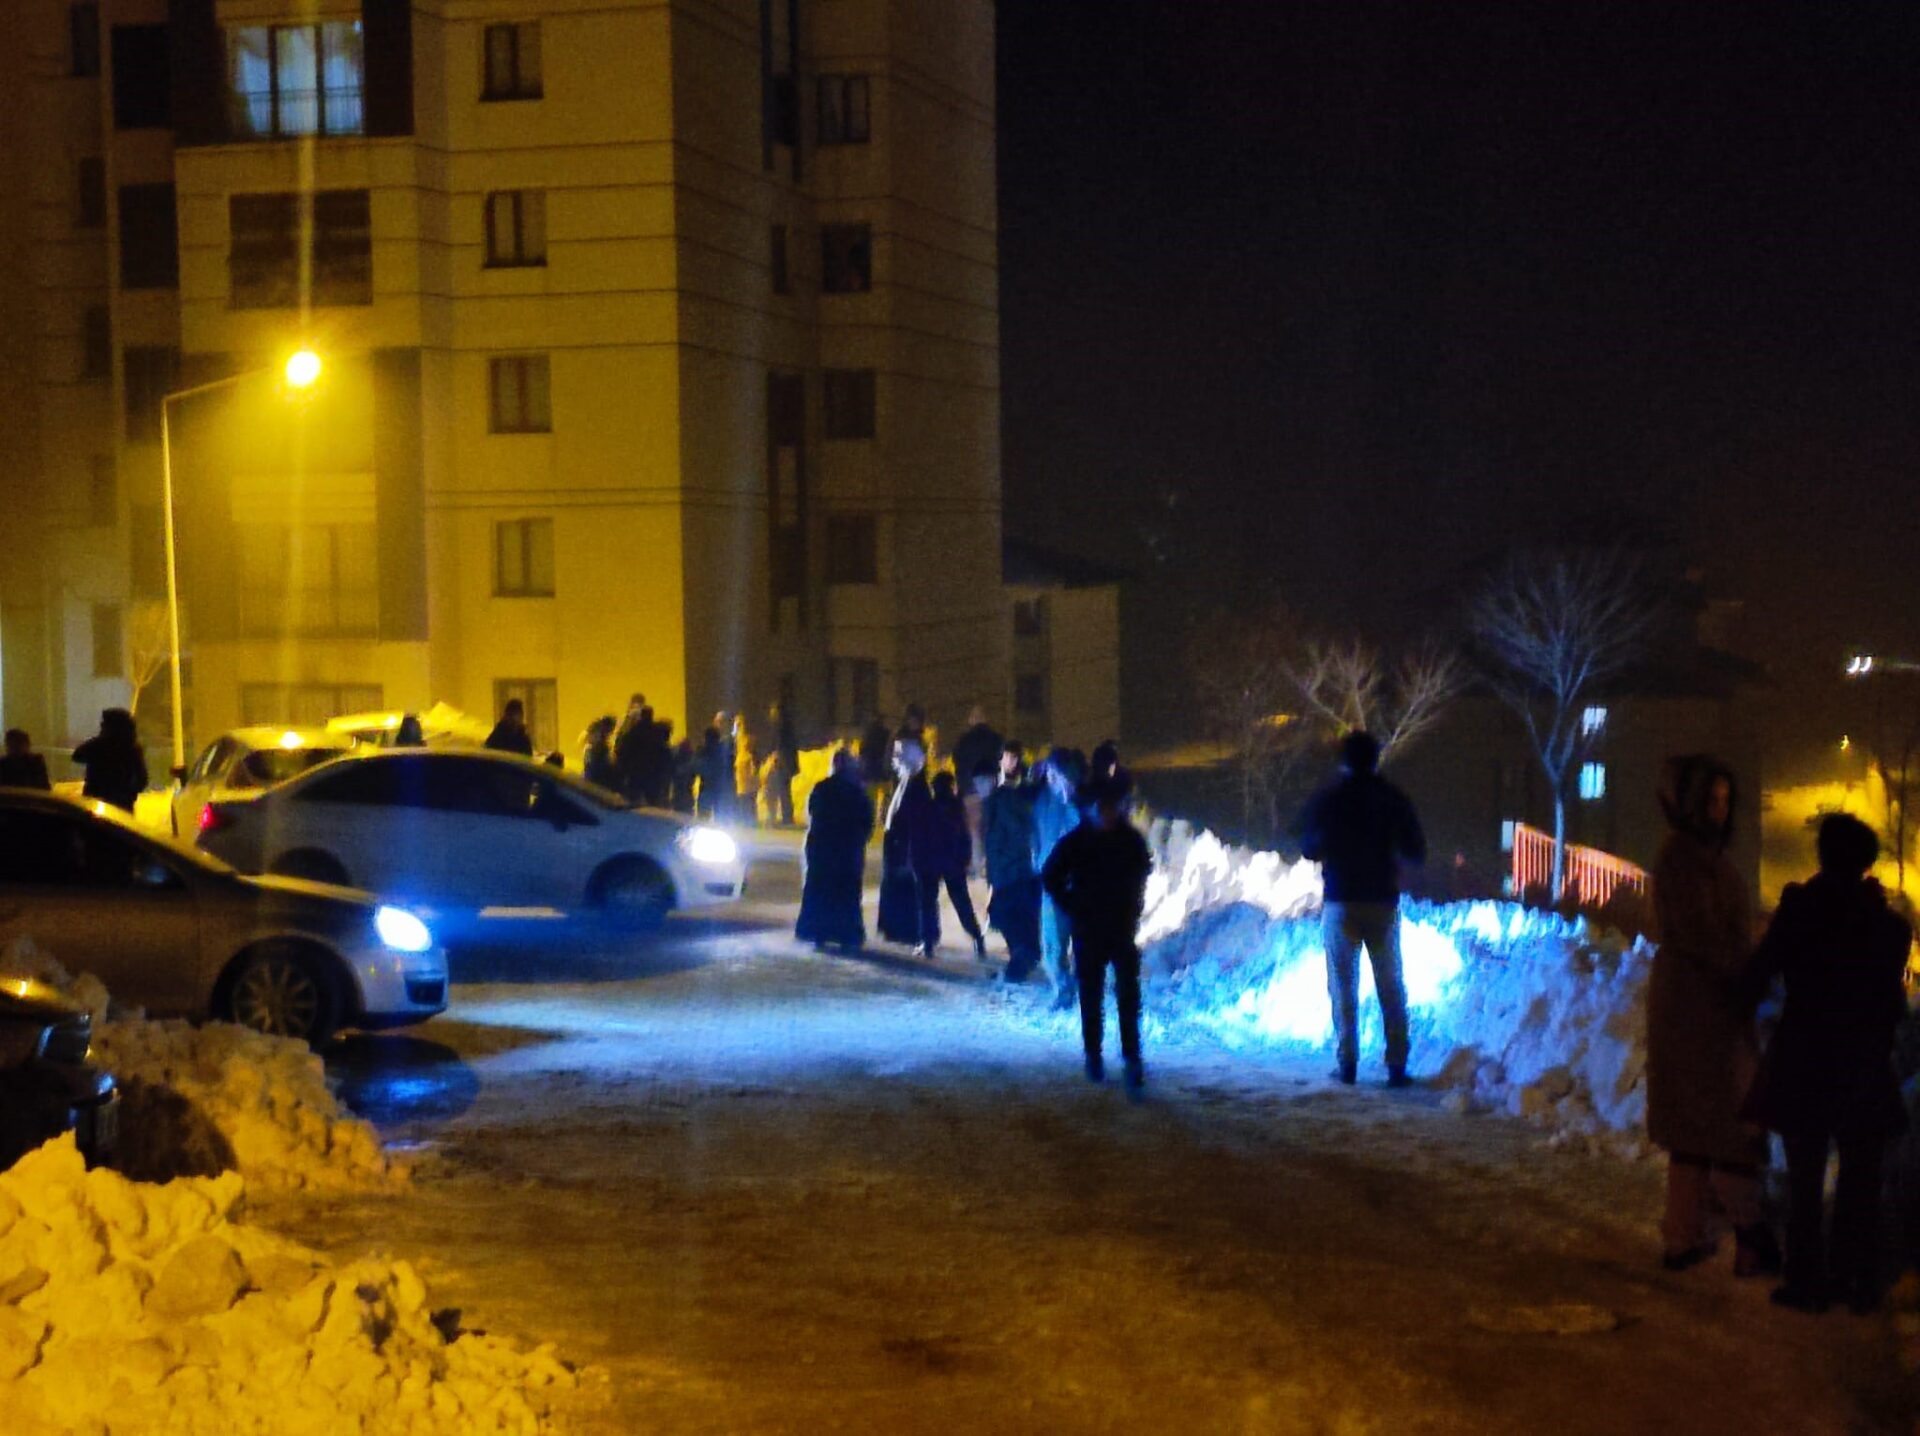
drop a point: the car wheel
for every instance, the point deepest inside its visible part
(285, 992)
(634, 895)
(314, 867)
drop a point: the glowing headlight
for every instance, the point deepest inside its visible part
(710, 846)
(401, 930)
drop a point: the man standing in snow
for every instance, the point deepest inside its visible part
(1055, 814)
(1360, 828)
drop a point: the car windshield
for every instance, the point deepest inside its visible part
(265, 767)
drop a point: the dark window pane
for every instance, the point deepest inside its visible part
(149, 239)
(511, 59)
(519, 400)
(523, 558)
(380, 782)
(516, 222)
(263, 259)
(141, 82)
(843, 118)
(846, 258)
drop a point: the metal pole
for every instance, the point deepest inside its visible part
(173, 589)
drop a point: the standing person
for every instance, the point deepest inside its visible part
(510, 734)
(21, 767)
(954, 856)
(630, 749)
(1014, 906)
(905, 852)
(1360, 829)
(686, 768)
(876, 761)
(409, 734)
(656, 766)
(1827, 1079)
(1056, 813)
(115, 762)
(746, 773)
(786, 767)
(715, 800)
(596, 760)
(1105, 763)
(839, 822)
(1098, 875)
(1702, 1051)
(976, 750)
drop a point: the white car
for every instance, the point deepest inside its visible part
(246, 760)
(459, 831)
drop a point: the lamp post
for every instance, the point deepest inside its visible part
(302, 371)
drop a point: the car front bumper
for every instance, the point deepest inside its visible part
(397, 988)
(700, 885)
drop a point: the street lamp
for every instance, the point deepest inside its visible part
(302, 371)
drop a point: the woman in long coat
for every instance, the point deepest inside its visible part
(1702, 1049)
(905, 850)
(839, 822)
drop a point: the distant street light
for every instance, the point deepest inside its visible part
(302, 371)
(1863, 664)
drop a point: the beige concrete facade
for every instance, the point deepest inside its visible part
(690, 515)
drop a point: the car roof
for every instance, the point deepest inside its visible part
(266, 735)
(572, 781)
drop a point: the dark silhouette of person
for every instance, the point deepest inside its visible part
(876, 759)
(115, 762)
(1105, 762)
(510, 734)
(597, 762)
(1827, 1079)
(909, 849)
(656, 764)
(786, 767)
(1056, 812)
(1013, 908)
(20, 766)
(954, 854)
(633, 750)
(686, 768)
(1360, 829)
(409, 734)
(1098, 875)
(716, 797)
(839, 822)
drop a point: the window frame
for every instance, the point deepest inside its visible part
(239, 115)
(528, 584)
(846, 258)
(525, 420)
(351, 611)
(522, 255)
(142, 100)
(852, 123)
(263, 261)
(518, 85)
(1593, 781)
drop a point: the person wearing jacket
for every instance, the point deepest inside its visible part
(597, 762)
(1056, 813)
(115, 762)
(953, 851)
(976, 751)
(716, 796)
(510, 734)
(20, 766)
(839, 821)
(1013, 908)
(1827, 1078)
(1702, 1049)
(1360, 829)
(746, 773)
(909, 849)
(1098, 875)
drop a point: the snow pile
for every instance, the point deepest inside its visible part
(144, 1307)
(199, 1100)
(1194, 871)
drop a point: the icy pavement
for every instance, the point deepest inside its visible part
(770, 1191)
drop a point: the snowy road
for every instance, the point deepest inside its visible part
(768, 1191)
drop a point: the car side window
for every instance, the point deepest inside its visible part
(390, 783)
(480, 788)
(112, 860)
(213, 761)
(551, 805)
(41, 850)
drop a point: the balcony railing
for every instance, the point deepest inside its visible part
(1591, 878)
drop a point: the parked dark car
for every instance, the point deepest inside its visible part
(47, 1086)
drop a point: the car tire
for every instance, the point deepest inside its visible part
(312, 865)
(285, 991)
(633, 895)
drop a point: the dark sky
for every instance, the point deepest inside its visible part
(1343, 295)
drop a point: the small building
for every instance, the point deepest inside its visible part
(1064, 616)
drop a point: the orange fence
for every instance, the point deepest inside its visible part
(1592, 877)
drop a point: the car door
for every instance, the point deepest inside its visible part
(202, 779)
(500, 847)
(373, 817)
(103, 901)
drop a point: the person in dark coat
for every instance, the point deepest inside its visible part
(686, 769)
(596, 762)
(976, 751)
(1014, 906)
(1827, 1078)
(909, 849)
(1702, 1047)
(409, 734)
(1056, 812)
(636, 752)
(21, 767)
(510, 734)
(115, 762)
(716, 798)
(839, 822)
(1098, 875)
(953, 853)
(657, 765)
(1360, 829)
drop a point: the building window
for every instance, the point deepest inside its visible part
(846, 258)
(308, 580)
(1030, 693)
(782, 281)
(523, 558)
(151, 373)
(519, 401)
(1509, 834)
(142, 78)
(296, 80)
(91, 212)
(853, 691)
(848, 402)
(852, 549)
(1029, 617)
(844, 110)
(1593, 722)
(109, 654)
(263, 257)
(516, 228)
(96, 343)
(540, 697)
(103, 493)
(305, 704)
(1593, 782)
(512, 62)
(149, 239)
(83, 41)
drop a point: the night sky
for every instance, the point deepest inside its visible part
(1341, 297)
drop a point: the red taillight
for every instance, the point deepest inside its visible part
(212, 819)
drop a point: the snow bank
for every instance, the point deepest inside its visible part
(145, 1307)
(1518, 1011)
(200, 1100)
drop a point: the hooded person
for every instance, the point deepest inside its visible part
(1702, 1048)
(115, 762)
(1827, 1080)
(1056, 812)
(510, 734)
(1013, 909)
(839, 822)
(910, 847)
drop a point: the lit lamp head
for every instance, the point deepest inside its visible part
(303, 369)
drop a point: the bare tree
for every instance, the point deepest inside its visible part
(1349, 686)
(148, 642)
(1553, 627)
(1243, 682)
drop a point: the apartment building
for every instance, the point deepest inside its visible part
(660, 344)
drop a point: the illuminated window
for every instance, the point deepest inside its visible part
(523, 558)
(1593, 781)
(1593, 722)
(852, 549)
(847, 397)
(512, 60)
(516, 228)
(109, 654)
(520, 395)
(1509, 830)
(846, 258)
(296, 80)
(844, 110)
(267, 243)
